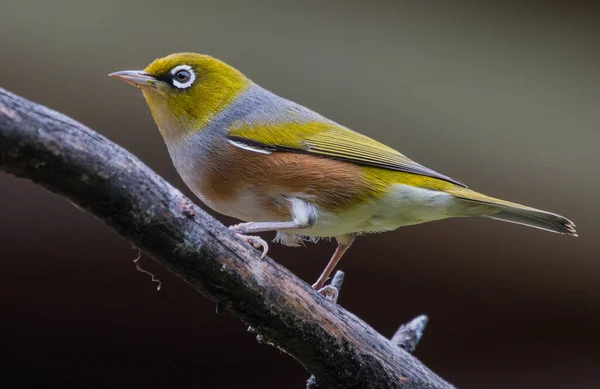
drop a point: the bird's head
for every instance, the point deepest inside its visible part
(185, 91)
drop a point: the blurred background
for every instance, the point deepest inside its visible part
(502, 95)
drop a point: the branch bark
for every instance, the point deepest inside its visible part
(406, 337)
(67, 158)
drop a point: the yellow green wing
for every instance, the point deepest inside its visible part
(327, 140)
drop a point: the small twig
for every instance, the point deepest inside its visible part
(408, 335)
(338, 280)
(332, 291)
(140, 269)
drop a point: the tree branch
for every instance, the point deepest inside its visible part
(406, 337)
(67, 158)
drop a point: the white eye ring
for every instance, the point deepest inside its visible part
(188, 83)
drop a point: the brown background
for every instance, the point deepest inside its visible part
(503, 96)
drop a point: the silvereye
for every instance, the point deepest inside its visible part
(252, 155)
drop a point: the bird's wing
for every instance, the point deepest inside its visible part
(327, 140)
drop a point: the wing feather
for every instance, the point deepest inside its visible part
(330, 141)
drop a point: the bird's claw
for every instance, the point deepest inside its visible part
(256, 242)
(330, 292)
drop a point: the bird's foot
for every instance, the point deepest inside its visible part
(256, 242)
(330, 292)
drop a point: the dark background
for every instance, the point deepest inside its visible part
(501, 95)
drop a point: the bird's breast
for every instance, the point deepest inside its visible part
(257, 187)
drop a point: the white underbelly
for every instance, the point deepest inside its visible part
(404, 205)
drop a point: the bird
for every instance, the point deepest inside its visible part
(278, 166)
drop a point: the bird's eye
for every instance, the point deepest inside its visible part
(183, 76)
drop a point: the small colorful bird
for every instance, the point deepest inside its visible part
(252, 155)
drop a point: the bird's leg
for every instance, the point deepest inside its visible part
(343, 245)
(255, 227)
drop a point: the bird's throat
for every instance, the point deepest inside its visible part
(178, 118)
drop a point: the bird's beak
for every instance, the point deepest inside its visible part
(137, 78)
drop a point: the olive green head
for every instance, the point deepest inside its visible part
(186, 90)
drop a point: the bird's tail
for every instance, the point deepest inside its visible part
(514, 213)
